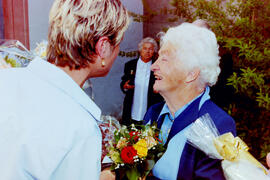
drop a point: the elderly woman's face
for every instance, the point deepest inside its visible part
(169, 71)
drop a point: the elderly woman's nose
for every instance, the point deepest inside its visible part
(154, 66)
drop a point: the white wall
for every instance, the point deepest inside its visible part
(38, 11)
(107, 93)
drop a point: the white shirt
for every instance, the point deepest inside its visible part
(142, 76)
(48, 127)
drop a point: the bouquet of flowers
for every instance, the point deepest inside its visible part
(135, 150)
(237, 162)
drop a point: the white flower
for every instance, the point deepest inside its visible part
(41, 49)
(121, 143)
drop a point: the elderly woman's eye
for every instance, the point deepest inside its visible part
(164, 59)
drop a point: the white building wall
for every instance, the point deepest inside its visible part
(106, 91)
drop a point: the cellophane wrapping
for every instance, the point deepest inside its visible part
(107, 127)
(237, 162)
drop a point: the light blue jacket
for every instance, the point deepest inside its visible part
(48, 127)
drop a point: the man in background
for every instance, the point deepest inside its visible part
(137, 83)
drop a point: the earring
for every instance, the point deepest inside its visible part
(103, 63)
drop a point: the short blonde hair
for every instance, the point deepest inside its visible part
(76, 26)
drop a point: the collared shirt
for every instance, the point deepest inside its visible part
(168, 120)
(142, 76)
(48, 127)
(171, 158)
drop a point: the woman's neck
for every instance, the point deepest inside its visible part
(79, 76)
(177, 99)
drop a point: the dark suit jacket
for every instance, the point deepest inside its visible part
(129, 74)
(194, 164)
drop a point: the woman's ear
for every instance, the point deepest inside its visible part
(102, 47)
(193, 75)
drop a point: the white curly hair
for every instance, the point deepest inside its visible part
(198, 48)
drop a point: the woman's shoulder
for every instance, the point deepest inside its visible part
(223, 121)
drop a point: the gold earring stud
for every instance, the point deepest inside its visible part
(103, 62)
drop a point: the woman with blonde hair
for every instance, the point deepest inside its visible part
(48, 124)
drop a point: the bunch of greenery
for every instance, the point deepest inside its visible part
(242, 28)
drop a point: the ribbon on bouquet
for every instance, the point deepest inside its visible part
(233, 149)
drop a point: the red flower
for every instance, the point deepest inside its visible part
(134, 135)
(127, 154)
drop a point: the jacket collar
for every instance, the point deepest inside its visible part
(189, 115)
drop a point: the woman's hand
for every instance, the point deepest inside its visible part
(107, 174)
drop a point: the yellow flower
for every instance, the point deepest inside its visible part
(43, 54)
(141, 148)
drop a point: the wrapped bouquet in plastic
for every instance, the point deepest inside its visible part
(237, 162)
(107, 127)
(14, 54)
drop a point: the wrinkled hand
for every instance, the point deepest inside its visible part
(128, 86)
(107, 174)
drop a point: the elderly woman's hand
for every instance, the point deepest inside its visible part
(107, 174)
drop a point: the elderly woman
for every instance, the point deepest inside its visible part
(188, 64)
(48, 124)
